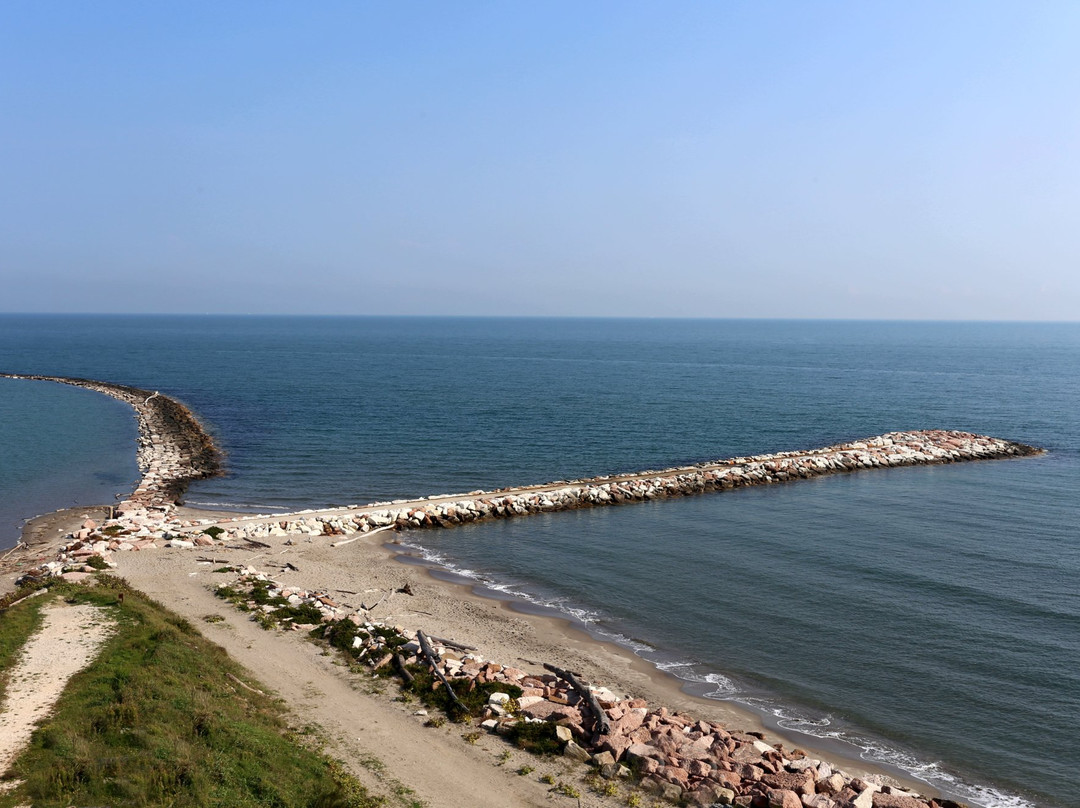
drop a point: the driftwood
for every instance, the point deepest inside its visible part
(451, 644)
(206, 560)
(253, 543)
(18, 546)
(425, 647)
(362, 535)
(399, 663)
(603, 725)
(367, 608)
(383, 661)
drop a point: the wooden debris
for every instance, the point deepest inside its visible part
(425, 648)
(603, 725)
(399, 663)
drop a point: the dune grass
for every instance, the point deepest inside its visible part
(159, 719)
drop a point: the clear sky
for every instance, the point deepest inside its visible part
(900, 159)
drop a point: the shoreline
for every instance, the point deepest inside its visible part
(174, 449)
(502, 633)
(600, 657)
(660, 686)
(564, 641)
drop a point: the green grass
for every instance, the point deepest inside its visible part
(540, 739)
(16, 626)
(156, 720)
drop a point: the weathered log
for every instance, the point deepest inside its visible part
(399, 663)
(362, 535)
(425, 648)
(603, 725)
(245, 685)
(451, 643)
(383, 661)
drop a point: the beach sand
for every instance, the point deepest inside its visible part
(361, 725)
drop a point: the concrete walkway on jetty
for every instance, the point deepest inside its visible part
(174, 449)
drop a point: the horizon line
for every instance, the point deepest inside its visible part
(688, 318)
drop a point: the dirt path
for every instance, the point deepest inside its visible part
(68, 641)
(383, 742)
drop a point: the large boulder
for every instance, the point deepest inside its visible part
(783, 798)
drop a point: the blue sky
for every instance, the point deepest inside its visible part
(725, 159)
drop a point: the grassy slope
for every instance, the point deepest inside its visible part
(16, 625)
(156, 720)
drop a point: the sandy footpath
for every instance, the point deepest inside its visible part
(67, 642)
(362, 726)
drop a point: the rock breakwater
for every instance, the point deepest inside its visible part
(895, 449)
(174, 449)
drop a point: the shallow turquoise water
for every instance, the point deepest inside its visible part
(61, 447)
(930, 613)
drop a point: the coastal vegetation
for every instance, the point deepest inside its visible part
(162, 716)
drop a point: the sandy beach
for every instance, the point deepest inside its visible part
(382, 738)
(360, 724)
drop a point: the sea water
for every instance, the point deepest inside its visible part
(60, 447)
(929, 616)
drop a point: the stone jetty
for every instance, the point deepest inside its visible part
(675, 756)
(174, 449)
(891, 450)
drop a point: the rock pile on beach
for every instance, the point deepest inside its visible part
(672, 755)
(891, 450)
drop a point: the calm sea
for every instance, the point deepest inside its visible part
(930, 616)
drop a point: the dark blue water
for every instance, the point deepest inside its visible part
(930, 614)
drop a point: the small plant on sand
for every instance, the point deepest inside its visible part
(606, 788)
(97, 562)
(540, 739)
(212, 618)
(471, 737)
(504, 757)
(567, 790)
(548, 779)
(633, 800)
(213, 531)
(435, 722)
(524, 770)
